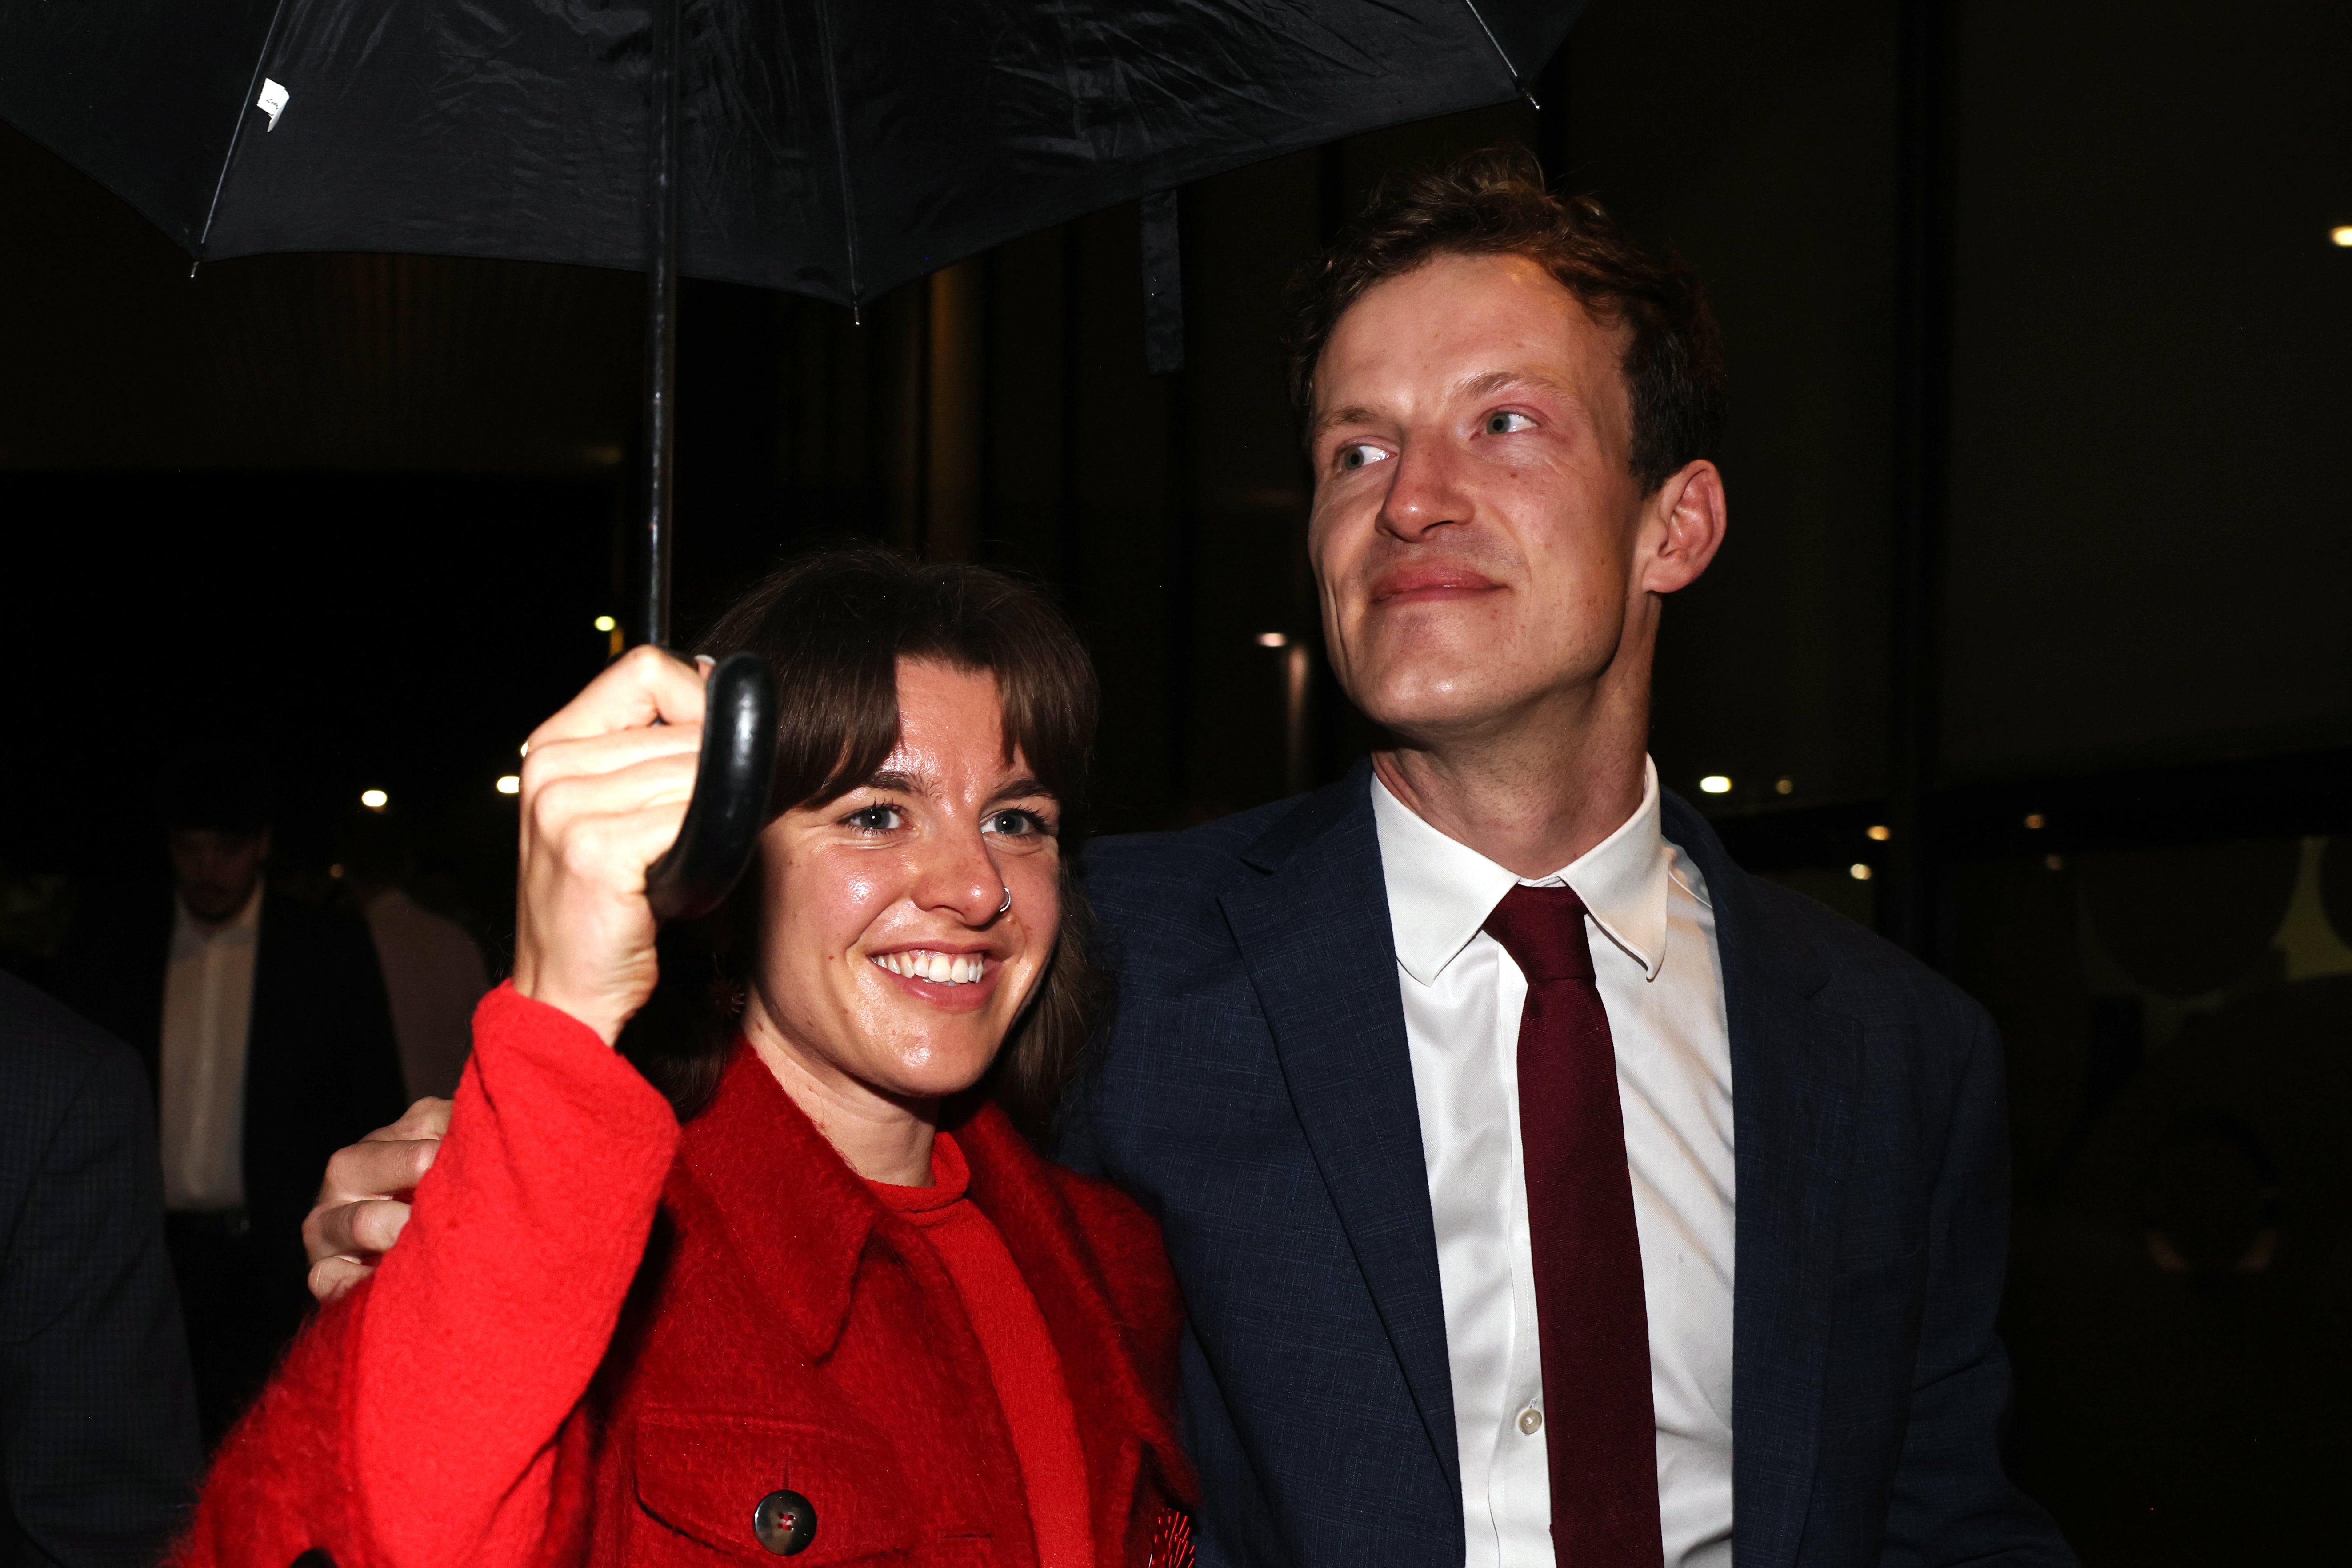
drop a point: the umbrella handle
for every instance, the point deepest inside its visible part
(729, 806)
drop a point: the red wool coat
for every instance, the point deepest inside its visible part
(604, 1339)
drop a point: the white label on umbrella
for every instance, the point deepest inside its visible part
(272, 102)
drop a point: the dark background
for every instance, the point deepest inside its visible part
(2038, 563)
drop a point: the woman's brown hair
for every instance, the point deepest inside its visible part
(834, 627)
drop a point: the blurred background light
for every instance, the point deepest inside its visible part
(509, 785)
(1858, 871)
(1715, 784)
(605, 623)
(375, 799)
(1272, 639)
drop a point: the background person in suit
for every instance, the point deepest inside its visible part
(263, 1022)
(1543, 1188)
(98, 1418)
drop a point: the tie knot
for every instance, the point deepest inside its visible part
(1543, 930)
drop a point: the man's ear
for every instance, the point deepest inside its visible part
(1687, 517)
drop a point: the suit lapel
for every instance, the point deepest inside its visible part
(1794, 1067)
(1315, 936)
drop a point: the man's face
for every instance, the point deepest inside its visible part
(216, 872)
(1475, 523)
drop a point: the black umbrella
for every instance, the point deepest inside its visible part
(835, 148)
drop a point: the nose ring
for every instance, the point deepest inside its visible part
(1007, 903)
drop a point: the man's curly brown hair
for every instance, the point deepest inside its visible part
(1495, 203)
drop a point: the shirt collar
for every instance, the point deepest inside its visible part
(188, 932)
(1440, 890)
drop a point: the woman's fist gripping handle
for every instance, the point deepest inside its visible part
(605, 789)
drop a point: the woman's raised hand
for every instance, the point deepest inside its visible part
(603, 791)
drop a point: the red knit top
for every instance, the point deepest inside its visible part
(1022, 1362)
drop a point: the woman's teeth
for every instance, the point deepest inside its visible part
(939, 968)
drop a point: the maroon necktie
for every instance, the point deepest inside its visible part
(1600, 1432)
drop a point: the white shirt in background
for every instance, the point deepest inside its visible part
(208, 1013)
(432, 972)
(1661, 982)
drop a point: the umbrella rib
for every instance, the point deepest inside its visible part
(840, 151)
(236, 132)
(1500, 53)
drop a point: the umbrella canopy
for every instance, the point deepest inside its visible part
(833, 149)
(829, 148)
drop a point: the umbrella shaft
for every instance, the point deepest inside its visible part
(661, 310)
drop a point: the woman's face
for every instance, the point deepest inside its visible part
(890, 961)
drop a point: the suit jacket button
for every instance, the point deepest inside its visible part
(786, 1522)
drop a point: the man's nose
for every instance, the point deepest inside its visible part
(1424, 493)
(960, 879)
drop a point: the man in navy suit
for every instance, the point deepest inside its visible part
(1343, 1049)
(1543, 1188)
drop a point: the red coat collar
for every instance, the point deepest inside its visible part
(798, 1220)
(798, 1217)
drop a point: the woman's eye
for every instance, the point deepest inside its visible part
(1359, 455)
(875, 818)
(1016, 824)
(1504, 422)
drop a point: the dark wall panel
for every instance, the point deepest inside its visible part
(1245, 234)
(1131, 509)
(1757, 142)
(2149, 556)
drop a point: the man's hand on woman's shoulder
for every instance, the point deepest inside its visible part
(363, 1202)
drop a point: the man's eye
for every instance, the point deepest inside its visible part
(875, 818)
(1359, 455)
(1504, 422)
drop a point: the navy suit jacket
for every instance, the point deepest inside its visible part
(1256, 1093)
(98, 1456)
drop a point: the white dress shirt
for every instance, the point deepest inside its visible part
(1661, 982)
(207, 1011)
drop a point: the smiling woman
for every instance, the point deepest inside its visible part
(904, 688)
(891, 968)
(845, 1305)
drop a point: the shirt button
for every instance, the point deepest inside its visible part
(1531, 1421)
